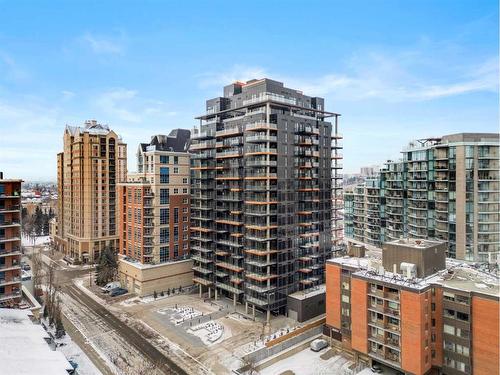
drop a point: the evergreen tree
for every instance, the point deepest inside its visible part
(107, 268)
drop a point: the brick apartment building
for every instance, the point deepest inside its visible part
(94, 160)
(10, 242)
(414, 311)
(155, 216)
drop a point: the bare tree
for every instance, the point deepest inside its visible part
(36, 271)
(50, 293)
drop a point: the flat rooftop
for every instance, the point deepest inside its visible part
(414, 243)
(457, 275)
(135, 263)
(308, 293)
(23, 349)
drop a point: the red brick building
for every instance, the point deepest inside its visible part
(10, 242)
(417, 322)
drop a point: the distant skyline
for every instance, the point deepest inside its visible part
(395, 70)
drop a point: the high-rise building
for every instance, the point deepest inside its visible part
(10, 242)
(444, 188)
(265, 193)
(415, 311)
(94, 160)
(155, 216)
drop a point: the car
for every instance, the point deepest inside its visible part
(117, 292)
(110, 286)
(318, 344)
(376, 368)
(25, 267)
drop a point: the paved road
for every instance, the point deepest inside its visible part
(165, 364)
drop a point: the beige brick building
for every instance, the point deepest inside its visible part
(155, 216)
(94, 160)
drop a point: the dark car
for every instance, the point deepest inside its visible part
(117, 292)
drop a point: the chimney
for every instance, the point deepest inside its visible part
(394, 268)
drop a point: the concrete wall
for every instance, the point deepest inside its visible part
(306, 308)
(146, 280)
(428, 260)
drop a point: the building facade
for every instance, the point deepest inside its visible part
(94, 160)
(415, 312)
(155, 214)
(266, 189)
(444, 188)
(10, 242)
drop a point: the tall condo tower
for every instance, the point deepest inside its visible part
(94, 160)
(265, 180)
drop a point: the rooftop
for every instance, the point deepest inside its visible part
(308, 293)
(457, 275)
(24, 349)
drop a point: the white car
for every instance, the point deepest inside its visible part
(318, 344)
(110, 286)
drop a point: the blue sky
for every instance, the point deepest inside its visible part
(395, 70)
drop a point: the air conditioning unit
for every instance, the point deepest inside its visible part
(408, 270)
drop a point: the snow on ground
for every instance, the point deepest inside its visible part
(307, 362)
(210, 332)
(74, 353)
(40, 240)
(80, 283)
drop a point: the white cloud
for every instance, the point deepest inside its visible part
(371, 76)
(126, 105)
(103, 45)
(236, 73)
(114, 103)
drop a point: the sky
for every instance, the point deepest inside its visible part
(395, 70)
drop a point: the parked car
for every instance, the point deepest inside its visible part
(376, 368)
(110, 286)
(318, 344)
(25, 266)
(117, 292)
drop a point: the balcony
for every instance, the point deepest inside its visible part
(13, 280)
(8, 296)
(261, 138)
(11, 239)
(8, 224)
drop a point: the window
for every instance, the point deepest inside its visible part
(164, 254)
(176, 170)
(184, 190)
(345, 298)
(185, 200)
(448, 329)
(164, 196)
(163, 159)
(462, 316)
(176, 215)
(164, 235)
(176, 160)
(164, 212)
(164, 175)
(185, 180)
(176, 191)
